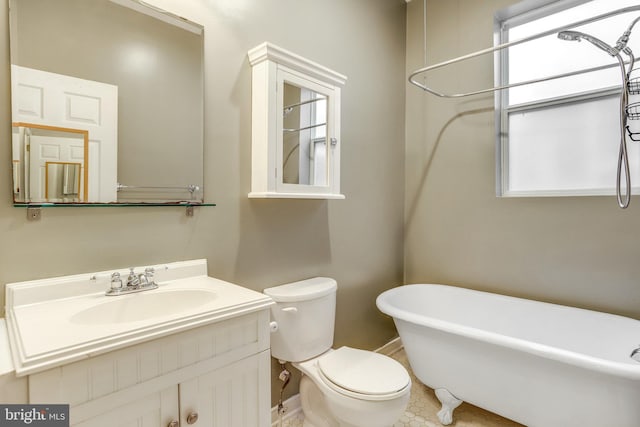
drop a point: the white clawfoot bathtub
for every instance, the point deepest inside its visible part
(540, 364)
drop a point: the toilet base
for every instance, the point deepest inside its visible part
(314, 406)
(349, 413)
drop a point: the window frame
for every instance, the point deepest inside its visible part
(505, 19)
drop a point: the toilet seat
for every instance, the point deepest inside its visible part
(363, 374)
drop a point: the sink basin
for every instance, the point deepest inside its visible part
(55, 321)
(143, 306)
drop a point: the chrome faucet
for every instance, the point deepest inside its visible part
(135, 282)
(146, 278)
(116, 282)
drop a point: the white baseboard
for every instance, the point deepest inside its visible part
(293, 407)
(391, 347)
(293, 403)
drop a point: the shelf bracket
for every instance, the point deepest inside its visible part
(34, 214)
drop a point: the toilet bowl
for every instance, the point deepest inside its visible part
(346, 387)
(353, 388)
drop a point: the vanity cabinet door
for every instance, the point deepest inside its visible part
(157, 409)
(237, 395)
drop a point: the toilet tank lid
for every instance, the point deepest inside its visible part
(302, 290)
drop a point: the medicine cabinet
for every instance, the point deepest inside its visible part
(295, 126)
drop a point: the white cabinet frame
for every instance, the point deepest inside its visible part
(272, 67)
(220, 371)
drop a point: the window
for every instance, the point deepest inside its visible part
(561, 137)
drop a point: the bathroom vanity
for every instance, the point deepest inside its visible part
(195, 351)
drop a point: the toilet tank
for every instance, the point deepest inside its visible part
(305, 314)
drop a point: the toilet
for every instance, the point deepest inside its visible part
(345, 387)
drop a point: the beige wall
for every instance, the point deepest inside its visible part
(581, 251)
(256, 243)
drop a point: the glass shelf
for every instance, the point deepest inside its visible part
(34, 214)
(109, 205)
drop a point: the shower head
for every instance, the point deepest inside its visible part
(578, 36)
(624, 38)
(570, 35)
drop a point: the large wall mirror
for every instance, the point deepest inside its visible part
(107, 103)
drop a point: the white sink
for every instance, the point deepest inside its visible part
(143, 306)
(56, 321)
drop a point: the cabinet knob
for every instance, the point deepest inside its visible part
(192, 418)
(173, 423)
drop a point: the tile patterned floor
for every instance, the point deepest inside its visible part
(423, 407)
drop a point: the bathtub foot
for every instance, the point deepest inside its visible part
(449, 403)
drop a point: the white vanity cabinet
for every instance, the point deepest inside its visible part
(295, 126)
(156, 409)
(213, 375)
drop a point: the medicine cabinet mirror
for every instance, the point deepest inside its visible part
(107, 103)
(295, 126)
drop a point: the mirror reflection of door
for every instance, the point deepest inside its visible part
(304, 139)
(63, 182)
(37, 148)
(58, 101)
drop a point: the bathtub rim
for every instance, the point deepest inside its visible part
(618, 369)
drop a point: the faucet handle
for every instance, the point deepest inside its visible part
(132, 280)
(116, 281)
(149, 273)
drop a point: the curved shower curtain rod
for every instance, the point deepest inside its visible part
(422, 71)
